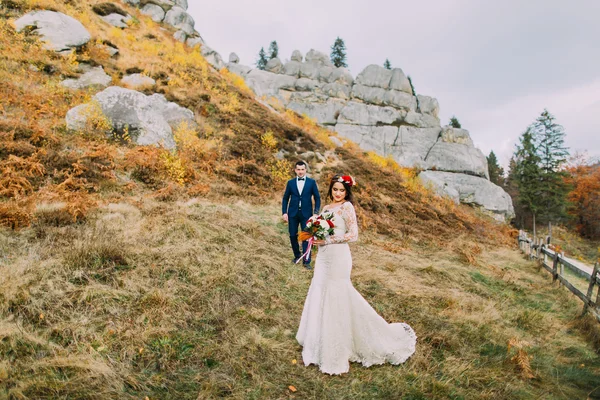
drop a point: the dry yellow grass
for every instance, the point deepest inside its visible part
(195, 299)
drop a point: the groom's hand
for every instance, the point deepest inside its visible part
(285, 218)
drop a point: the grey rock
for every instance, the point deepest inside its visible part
(306, 84)
(274, 65)
(457, 157)
(314, 56)
(212, 57)
(342, 76)
(180, 36)
(150, 120)
(399, 99)
(153, 11)
(326, 74)
(265, 83)
(471, 190)
(133, 2)
(375, 76)
(234, 59)
(411, 146)
(60, 32)
(182, 3)
(337, 90)
(309, 70)
(455, 135)
(399, 81)
(369, 94)
(239, 69)
(297, 56)
(135, 81)
(356, 113)
(421, 120)
(370, 138)
(325, 113)
(194, 41)
(292, 68)
(428, 105)
(93, 77)
(179, 18)
(164, 4)
(117, 20)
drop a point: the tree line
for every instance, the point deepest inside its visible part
(546, 184)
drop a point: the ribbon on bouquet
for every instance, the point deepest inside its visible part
(306, 255)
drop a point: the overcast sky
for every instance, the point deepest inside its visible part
(494, 64)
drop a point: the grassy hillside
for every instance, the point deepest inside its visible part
(129, 271)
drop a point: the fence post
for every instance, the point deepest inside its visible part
(555, 267)
(590, 292)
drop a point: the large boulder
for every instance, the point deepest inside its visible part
(324, 113)
(457, 157)
(164, 4)
(375, 76)
(135, 81)
(265, 83)
(93, 77)
(153, 11)
(292, 68)
(59, 31)
(369, 94)
(456, 135)
(212, 57)
(399, 81)
(337, 90)
(117, 20)
(411, 146)
(342, 76)
(317, 57)
(241, 70)
(471, 190)
(356, 113)
(150, 120)
(370, 138)
(428, 105)
(179, 18)
(274, 65)
(297, 56)
(234, 58)
(421, 120)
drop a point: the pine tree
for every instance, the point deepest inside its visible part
(455, 123)
(527, 174)
(262, 59)
(338, 53)
(496, 171)
(273, 49)
(387, 64)
(553, 156)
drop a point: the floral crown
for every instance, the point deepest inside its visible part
(347, 179)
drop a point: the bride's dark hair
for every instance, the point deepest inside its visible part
(348, 186)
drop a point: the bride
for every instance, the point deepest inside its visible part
(337, 324)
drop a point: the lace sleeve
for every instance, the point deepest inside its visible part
(351, 234)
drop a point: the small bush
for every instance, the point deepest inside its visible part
(104, 9)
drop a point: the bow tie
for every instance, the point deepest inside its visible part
(300, 179)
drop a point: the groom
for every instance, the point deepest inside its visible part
(297, 207)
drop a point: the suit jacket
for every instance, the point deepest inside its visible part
(292, 198)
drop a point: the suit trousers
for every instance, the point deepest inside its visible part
(293, 222)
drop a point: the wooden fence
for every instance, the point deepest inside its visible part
(555, 263)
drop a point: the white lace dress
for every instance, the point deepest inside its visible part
(338, 325)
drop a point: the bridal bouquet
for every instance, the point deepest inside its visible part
(318, 227)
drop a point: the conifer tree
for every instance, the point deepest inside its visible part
(273, 49)
(387, 64)
(338, 53)
(553, 157)
(527, 174)
(261, 63)
(455, 123)
(496, 171)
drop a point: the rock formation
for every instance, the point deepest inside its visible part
(379, 112)
(148, 119)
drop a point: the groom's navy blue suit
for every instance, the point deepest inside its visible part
(299, 208)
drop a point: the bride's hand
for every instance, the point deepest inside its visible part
(319, 242)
